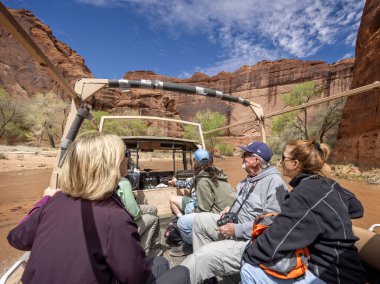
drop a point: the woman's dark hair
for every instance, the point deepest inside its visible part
(209, 168)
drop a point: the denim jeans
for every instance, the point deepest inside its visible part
(255, 275)
(185, 226)
(189, 207)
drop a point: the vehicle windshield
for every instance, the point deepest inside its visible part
(158, 148)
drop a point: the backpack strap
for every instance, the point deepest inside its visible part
(296, 262)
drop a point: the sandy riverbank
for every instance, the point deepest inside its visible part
(19, 158)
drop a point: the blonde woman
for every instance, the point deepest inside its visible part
(83, 234)
(316, 214)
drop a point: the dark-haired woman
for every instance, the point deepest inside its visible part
(316, 214)
(213, 192)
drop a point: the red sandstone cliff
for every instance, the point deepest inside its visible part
(359, 130)
(264, 82)
(21, 76)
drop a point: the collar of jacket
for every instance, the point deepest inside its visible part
(266, 172)
(297, 180)
(203, 173)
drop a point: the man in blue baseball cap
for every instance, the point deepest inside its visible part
(219, 239)
(258, 148)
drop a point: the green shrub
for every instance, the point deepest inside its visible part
(225, 149)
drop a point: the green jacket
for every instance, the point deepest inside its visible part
(212, 198)
(125, 193)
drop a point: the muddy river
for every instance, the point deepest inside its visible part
(20, 190)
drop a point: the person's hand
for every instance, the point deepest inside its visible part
(225, 210)
(49, 191)
(227, 230)
(172, 181)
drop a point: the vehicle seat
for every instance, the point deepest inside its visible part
(369, 250)
(14, 274)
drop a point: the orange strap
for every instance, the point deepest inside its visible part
(300, 254)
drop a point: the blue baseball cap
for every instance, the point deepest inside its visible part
(259, 148)
(201, 155)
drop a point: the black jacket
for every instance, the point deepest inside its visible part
(316, 213)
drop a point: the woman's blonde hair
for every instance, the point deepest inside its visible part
(92, 166)
(311, 155)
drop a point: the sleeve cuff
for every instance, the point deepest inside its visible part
(239, 231)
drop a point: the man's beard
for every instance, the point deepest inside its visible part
(243, 165)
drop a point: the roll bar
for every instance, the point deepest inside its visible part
(85, 88)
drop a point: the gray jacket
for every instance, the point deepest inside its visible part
(268, 194)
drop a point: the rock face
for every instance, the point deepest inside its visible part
(359, 130)
(263, 83)
(21, 76)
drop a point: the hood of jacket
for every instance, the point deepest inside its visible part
(266, 172)
(221, 177)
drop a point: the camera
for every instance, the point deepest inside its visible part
(229, 217)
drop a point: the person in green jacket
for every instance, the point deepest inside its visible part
(145, 216)
(213, 193)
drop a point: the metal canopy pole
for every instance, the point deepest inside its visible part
(167, 86)
(86, 87)
(156, 84)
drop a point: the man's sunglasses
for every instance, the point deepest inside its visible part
(247, 154)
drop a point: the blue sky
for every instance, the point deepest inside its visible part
(180, 37)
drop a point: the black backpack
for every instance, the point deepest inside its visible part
(172, 236)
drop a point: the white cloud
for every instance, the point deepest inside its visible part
(350, 39)
(347, 55)
(241, 51)
(252, 30)
(100, 3)
(185, 75)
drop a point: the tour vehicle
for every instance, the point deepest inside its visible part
(176, 151)
(158, 159)
(154, 160)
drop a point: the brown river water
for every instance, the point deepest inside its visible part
(19, 190)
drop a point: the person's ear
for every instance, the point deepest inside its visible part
(297, 164)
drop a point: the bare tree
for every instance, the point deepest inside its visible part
(46, 114)
(11, 114)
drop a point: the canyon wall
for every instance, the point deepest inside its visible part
(359, 130)
(21, 76)
(263, 83)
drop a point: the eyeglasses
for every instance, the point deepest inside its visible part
(247, 154)
(283, 157)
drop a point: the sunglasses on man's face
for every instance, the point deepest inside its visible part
(247, 155)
